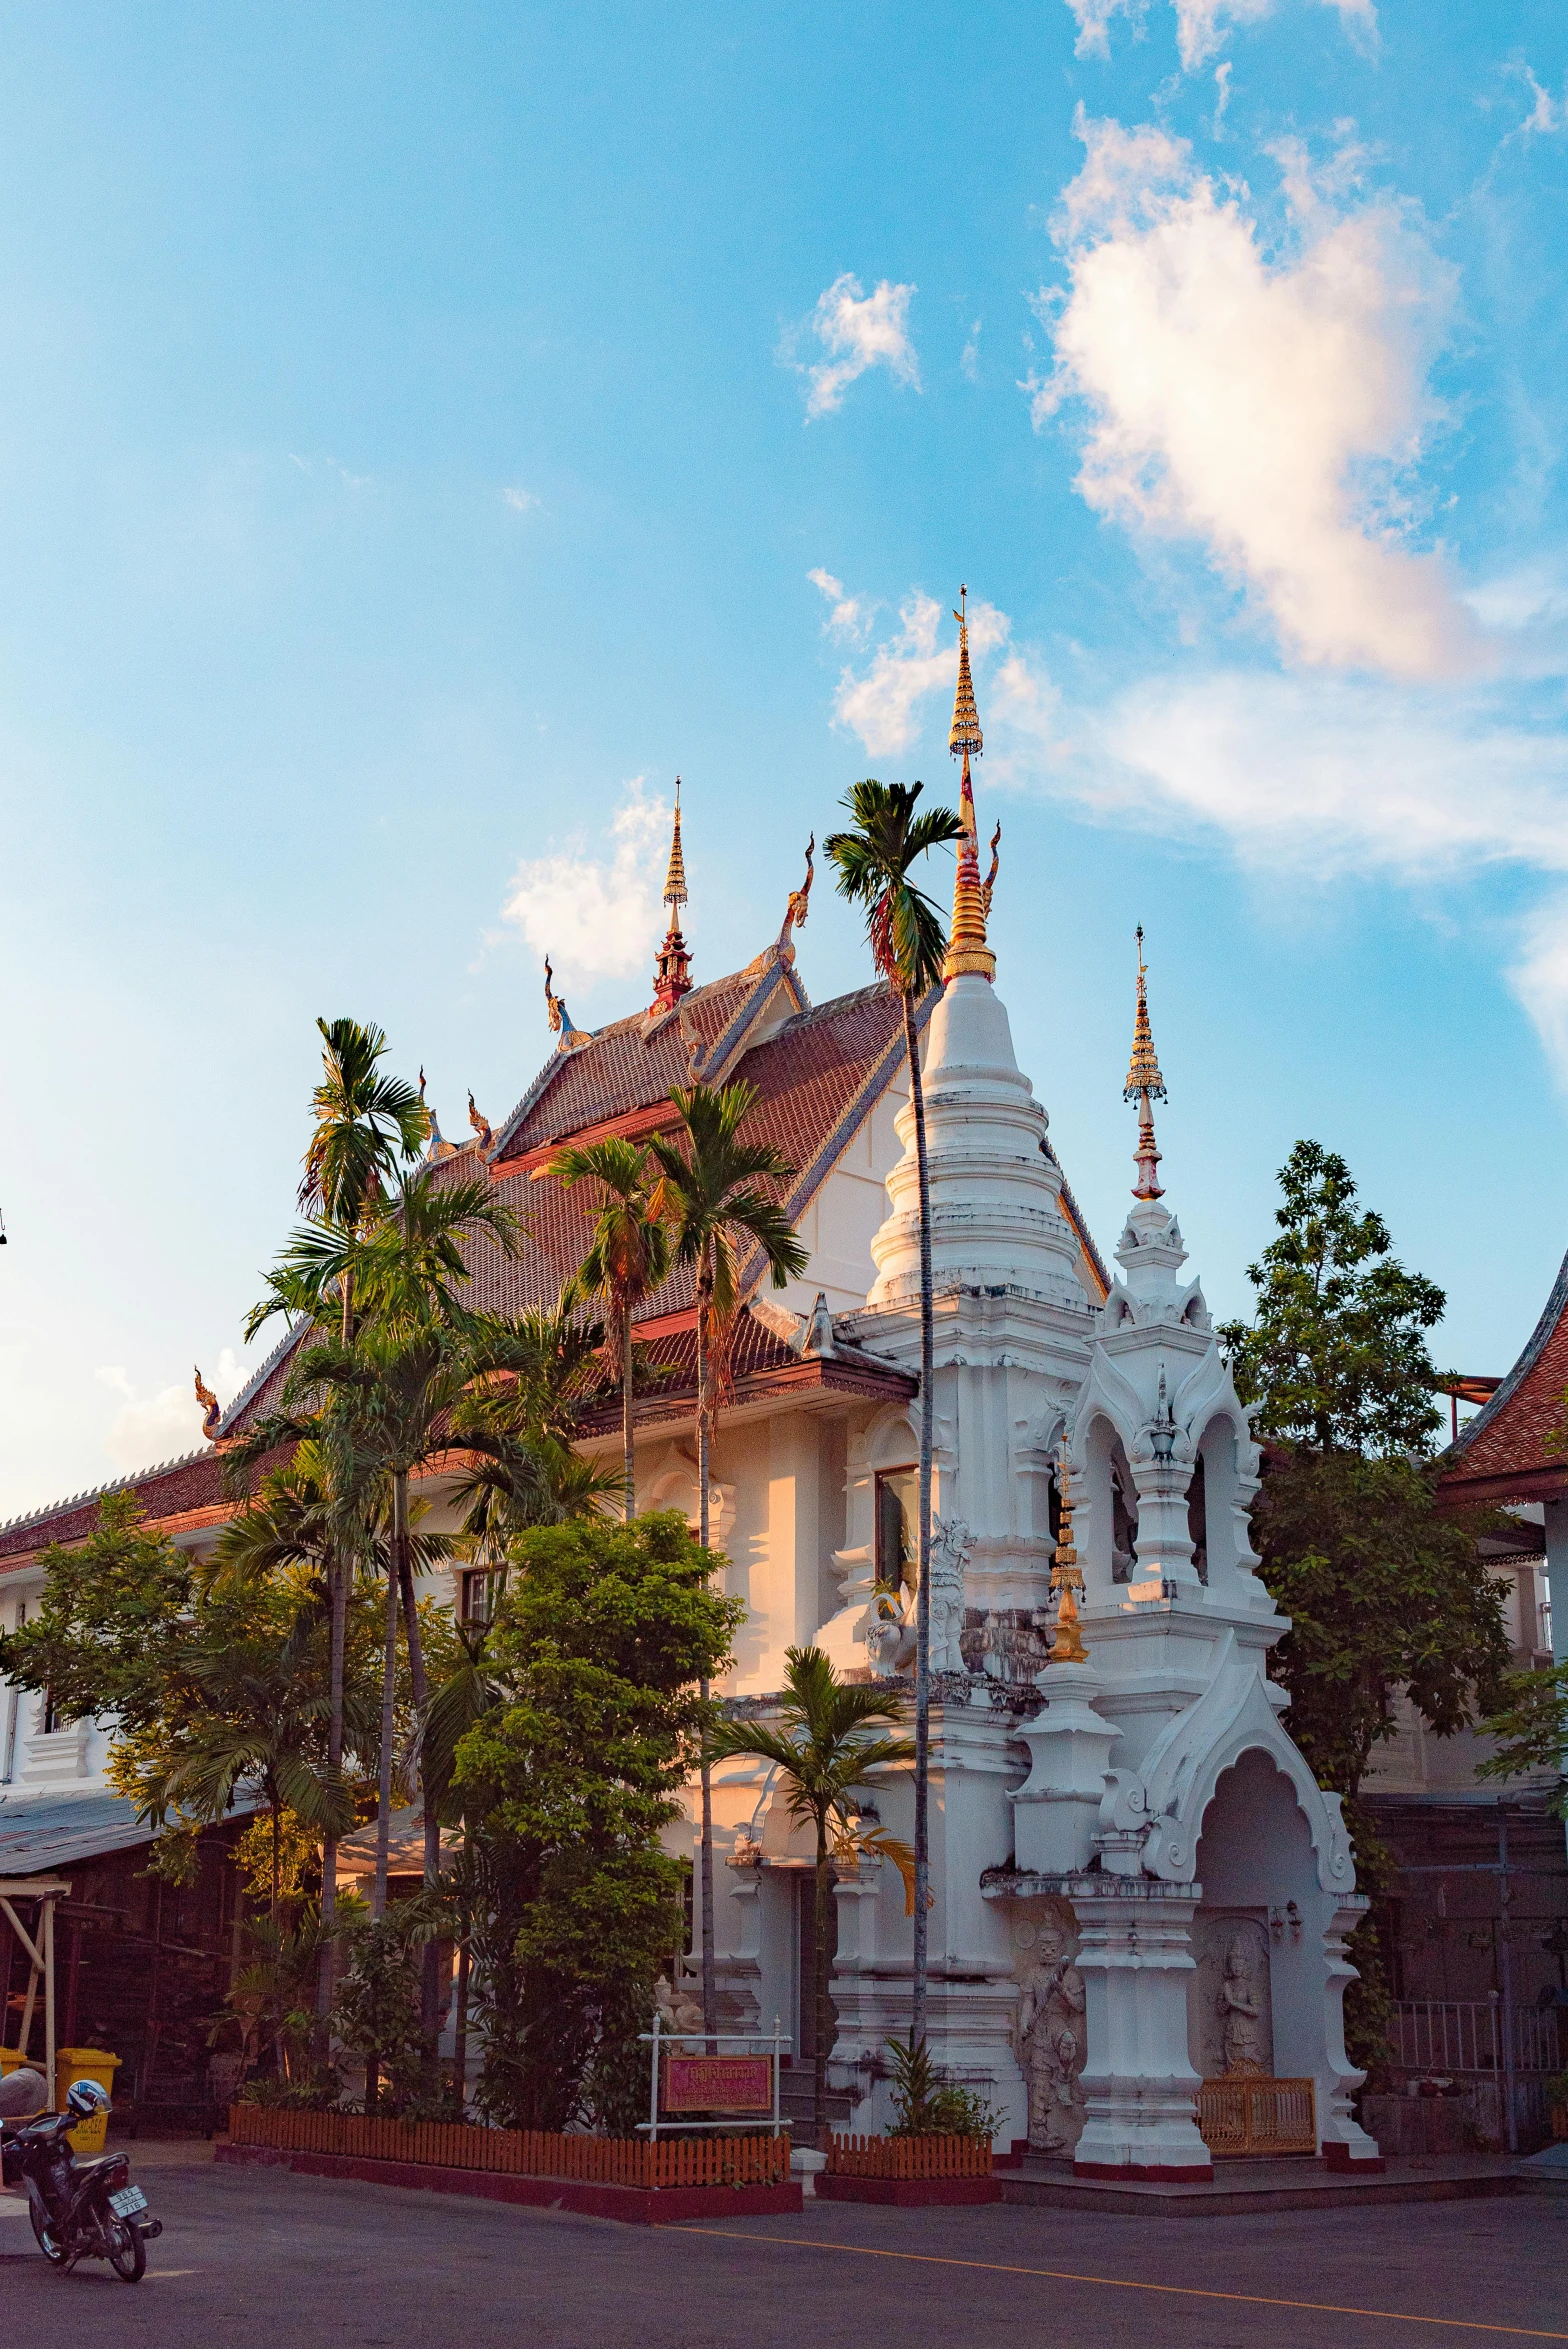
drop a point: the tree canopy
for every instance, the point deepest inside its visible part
(1336, 1354)
(567, 1779)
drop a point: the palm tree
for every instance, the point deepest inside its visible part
(708, 1194)
(628, 1258)
(874, 863)
(822, 1758)
(366, 1121)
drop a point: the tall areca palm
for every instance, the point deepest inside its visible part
(822, 1758)
(627, 1259)
(710, 1197)
(404, 1372)
(366, 1122)
(874, 863)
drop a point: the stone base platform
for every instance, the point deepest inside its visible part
(636, 2206)
(1239, 2186)
(908, 2193)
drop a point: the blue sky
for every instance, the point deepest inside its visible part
(424, 431)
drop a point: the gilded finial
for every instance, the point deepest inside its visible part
(480, 1123)
(1145, 1085)
(967, 949)
(672, 965)
(560, 1018)
(675, 878)
(1067, 1576)
(211, 1409)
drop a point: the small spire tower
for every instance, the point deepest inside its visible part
(967, 949)
(672, 970)
(1145, 1085)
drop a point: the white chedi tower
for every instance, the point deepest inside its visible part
(1212, 1881)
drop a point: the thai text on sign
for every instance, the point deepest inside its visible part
(718, 2083)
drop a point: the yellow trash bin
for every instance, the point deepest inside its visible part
(85, 2063)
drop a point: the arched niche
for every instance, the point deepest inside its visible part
(1107, 1534)
(1212, 1498)
(1261, 1898)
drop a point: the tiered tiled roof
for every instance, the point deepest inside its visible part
(819, 1071)
(1504, 1453)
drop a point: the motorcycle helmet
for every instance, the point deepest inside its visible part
(86, 2100)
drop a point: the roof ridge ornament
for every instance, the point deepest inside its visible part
(211, 1410)
(967, 949)
(1145, 1085)
(437, 1147)
(799, 902)
(672, 967)
(571, 1039)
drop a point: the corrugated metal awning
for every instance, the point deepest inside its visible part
(45, 1829)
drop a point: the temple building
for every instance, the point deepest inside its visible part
(1140, 1894)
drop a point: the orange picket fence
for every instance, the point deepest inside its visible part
(519, 2153)
(909, 2157)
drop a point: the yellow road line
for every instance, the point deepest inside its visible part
(1058, 2275)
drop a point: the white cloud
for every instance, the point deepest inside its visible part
(851, 615)
(1338, 777)
(598, 919)
(859, 330)
(521, 501)
(1547, 114)
(880, 705)
(969, 359)
(1270, 408)
(1539, 978)
(150, 1428)
(1201, 24)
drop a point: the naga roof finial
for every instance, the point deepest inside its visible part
(1145, 1085)
(560, 1018)
(799, 901)
(480, 1123)
(211, 1409)
(967, 949)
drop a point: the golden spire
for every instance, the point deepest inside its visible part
(1145, 1085)
(1067, 1576)
(967, 949)
(675, 878)
(672, 967)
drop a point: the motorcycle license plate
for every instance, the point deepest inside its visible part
(130, 2202)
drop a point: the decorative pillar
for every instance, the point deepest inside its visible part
(1139, 2087)
(1343, 2142)
(1057, 1809)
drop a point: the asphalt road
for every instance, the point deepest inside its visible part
(261, 2257)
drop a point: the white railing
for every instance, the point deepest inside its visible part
(1466, 2035)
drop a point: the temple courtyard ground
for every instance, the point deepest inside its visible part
(262, 2257)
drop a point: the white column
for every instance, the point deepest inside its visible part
(1556, 1514)
(1139, 2086)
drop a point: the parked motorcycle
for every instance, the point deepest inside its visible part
(79, 2209)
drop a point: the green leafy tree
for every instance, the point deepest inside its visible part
(710, 1196)
(823, 1759)
(1336, 1354)
(208, 1689)
(875, 862)
(568, 1782)
(626, 1261)
(1388, 1596)
(1529, 1725)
